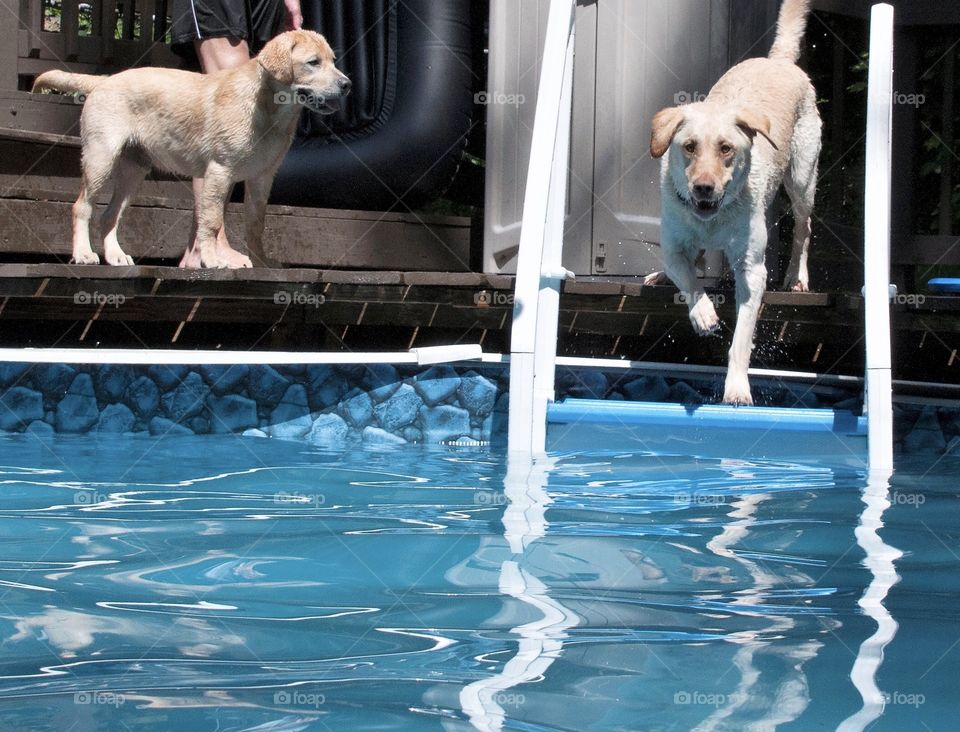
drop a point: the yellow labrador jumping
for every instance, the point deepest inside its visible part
(229, 126)
(723, 162)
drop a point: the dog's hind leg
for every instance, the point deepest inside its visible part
(127, 176)
(99, 159)
(800, 183)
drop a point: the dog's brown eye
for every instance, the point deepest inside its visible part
(690, 147)
(726, 149)
(314, 62)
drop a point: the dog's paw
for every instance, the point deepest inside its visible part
(233, 259)
(656, 278)
(703, 317)
(797, 286)
(212, 261)
(85, 258)
(190, 259)
(119, 259)
(737, 391)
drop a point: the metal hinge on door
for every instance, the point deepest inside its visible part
(600, 260)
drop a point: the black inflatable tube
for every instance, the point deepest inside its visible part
(411, 152)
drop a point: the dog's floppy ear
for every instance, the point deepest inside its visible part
(755, 123)
(666, 122)
(275, 57)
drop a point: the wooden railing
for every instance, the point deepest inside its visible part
(101, 36)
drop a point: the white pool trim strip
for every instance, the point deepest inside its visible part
(679, 370)
(418, 356)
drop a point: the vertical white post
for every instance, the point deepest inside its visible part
(539, 270)
(876, 261)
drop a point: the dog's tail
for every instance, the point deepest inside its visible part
(791, 26)
(65, 82)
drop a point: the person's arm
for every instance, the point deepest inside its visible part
(292, 15)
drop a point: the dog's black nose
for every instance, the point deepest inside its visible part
(345, 86)
(703, 190)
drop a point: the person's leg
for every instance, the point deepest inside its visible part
(215, 54)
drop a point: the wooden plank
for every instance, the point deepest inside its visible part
(9, 43)
(300, 237)
(349, 242)
(43, 183)
(70, 27)
(90, 272)
(29, 28)
(447, 279)
(50, 113)
(797, 299)
(45, 138)
(108, 15)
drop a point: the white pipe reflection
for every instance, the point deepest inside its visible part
(791, 697)
(540, 641)
(880, 561)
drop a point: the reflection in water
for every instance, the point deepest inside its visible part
(393, 590)
(880, 561)
(540, 641)
(790, 697)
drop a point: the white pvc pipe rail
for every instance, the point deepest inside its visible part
(536, 304)
(876, 261)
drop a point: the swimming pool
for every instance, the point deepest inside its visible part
(240, 583)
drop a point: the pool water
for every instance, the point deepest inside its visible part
(209, 583)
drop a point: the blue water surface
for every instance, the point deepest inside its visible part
(209, 583)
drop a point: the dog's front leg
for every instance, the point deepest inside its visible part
(680, 265)
(751, 276)
(255, 211)
(210, 203)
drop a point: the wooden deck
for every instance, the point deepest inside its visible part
(376, 281)
(320, 309)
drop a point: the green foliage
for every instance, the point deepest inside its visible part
(53, 20)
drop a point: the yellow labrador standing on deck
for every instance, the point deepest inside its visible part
(230, 126)
(723, 162)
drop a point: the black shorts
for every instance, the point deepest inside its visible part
(254, 21)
